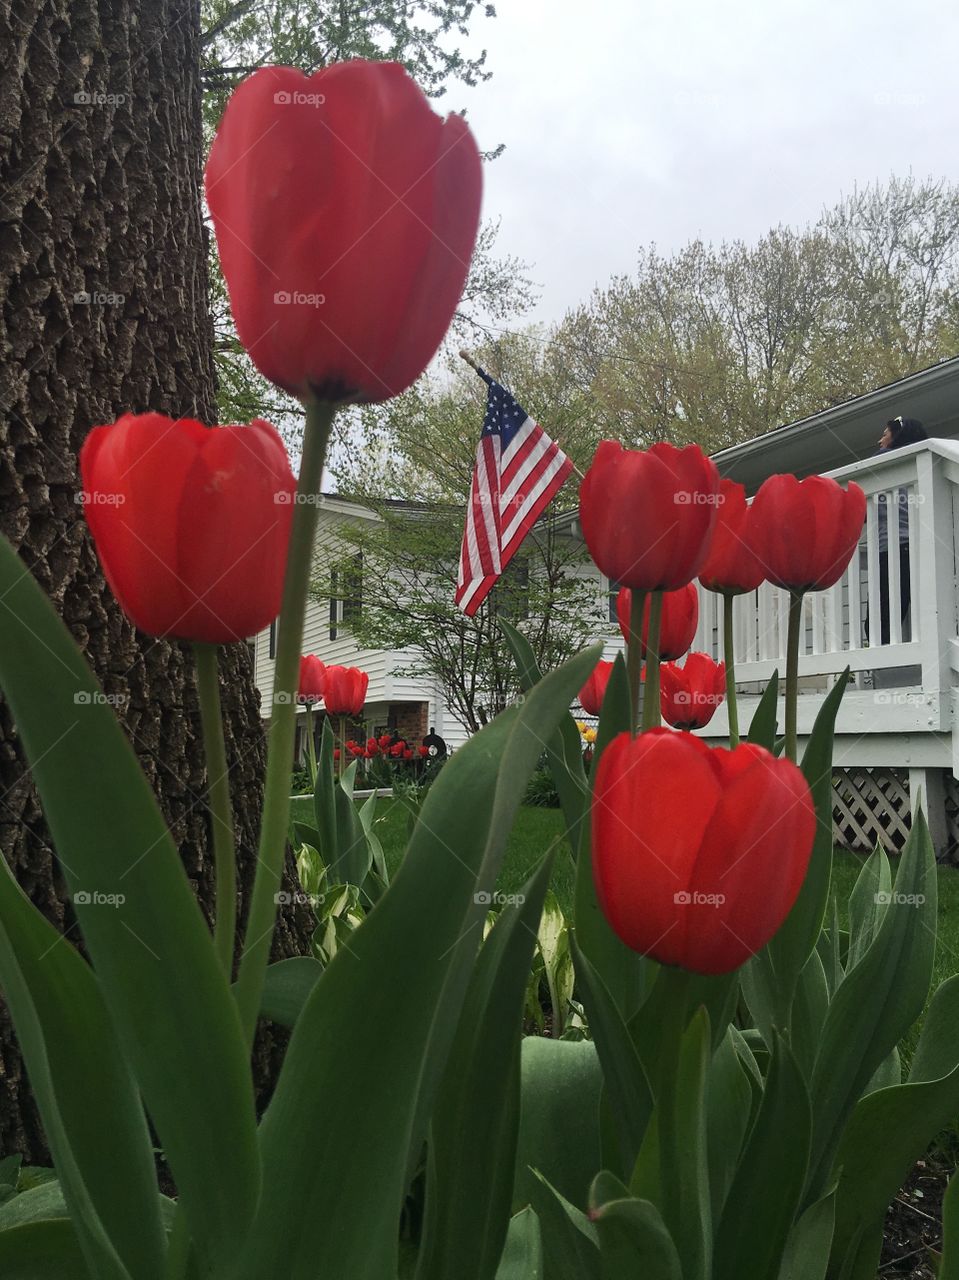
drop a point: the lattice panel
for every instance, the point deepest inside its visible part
(870, 807)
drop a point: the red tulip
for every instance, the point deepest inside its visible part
(385, 740)
(690, 694)
(698, 853)
(354, 748)
(312, 671)
(191, 523)
(336, 753)
(396, 749)
(594, 690)
(678, 620)
(372, 747)
(424, 752)
(732, 565)
(647, 516)
(807, 530)
(407, 754)
(345, 690)
(346, 213)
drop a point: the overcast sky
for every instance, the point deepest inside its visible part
(627, 121)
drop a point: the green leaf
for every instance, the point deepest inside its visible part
(907, 1116)
(152, 951)
(42, 1251)
(765, 1193)
(626, 974)
(286, 987)
(570, 1241)
(523, 1255)
(729, 1099)
(633, 1240)
(561, 1084)
(792, 946)
(762, 730)
(477, 1106)
(867, 904)
(810, 1005)
(876, 1003)
(628, 1089)
(564, 747)
(382, 1011)
(87, 1096)
(681, 1116)
(949, 1266)
(344, 846)
(806, 1255)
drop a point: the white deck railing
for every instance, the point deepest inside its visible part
(902, 685)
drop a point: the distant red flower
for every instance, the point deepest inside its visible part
(344, 690)
(312, 678)
(385, 740)
(690, 694)
(372, 747)
(647, 515)
(593, 691)
(424, 751)
(407, 754)
(807, 530)
(336, 753)
(678, 620)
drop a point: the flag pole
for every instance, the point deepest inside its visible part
(464, 355)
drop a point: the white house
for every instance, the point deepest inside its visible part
(895, 733)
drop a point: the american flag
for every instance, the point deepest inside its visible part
(519, 469)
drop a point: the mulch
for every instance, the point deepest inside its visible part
(913, 1230)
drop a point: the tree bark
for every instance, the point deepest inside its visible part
(103, 310)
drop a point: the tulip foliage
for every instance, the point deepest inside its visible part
(730, 1101)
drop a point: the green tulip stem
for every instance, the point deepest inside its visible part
(310, 744)
(339, 772)
(792, 671)
(651, 709)
(276, 800)
(634, 656)
(729, 657)
(221, 811)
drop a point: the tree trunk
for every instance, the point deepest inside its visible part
(103, 310)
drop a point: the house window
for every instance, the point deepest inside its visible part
(513, 591)
(612, 592)
(346, 593)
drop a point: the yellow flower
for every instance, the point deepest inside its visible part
(590, 735)
(581, 726)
